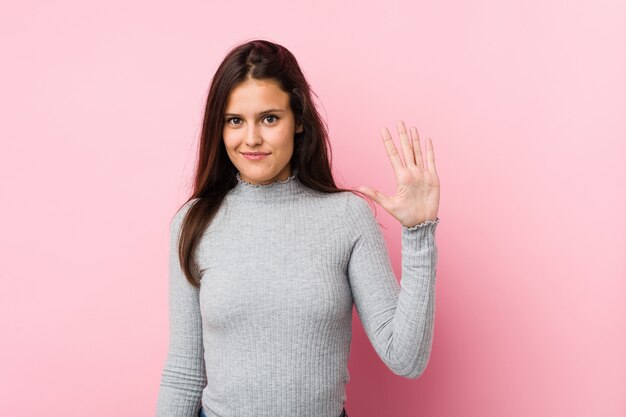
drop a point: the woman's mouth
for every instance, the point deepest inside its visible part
(254, 156)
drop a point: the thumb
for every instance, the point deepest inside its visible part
(370, 192)
(374, 194)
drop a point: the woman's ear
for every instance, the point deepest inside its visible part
(299, 128)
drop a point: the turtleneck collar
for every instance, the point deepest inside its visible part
(274, 191)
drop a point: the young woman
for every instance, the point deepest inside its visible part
(268, 255)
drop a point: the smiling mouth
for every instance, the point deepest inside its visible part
(255, 156)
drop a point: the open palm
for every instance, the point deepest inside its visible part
(417, 196)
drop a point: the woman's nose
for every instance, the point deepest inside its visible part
(253, 136)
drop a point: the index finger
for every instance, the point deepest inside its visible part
(392, 152)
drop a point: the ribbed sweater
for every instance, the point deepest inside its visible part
(268, 332)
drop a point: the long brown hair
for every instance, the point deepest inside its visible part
(215, 174)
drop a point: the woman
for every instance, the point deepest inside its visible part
(268, 255)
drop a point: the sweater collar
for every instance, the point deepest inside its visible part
(276, 190)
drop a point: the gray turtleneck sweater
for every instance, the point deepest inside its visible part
(268, 333)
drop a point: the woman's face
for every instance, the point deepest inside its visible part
(258, 120)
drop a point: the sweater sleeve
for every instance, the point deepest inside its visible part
(397, 318)
(184, 376)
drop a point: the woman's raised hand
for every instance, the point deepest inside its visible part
(417, 197)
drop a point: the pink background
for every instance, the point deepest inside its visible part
(101, 107)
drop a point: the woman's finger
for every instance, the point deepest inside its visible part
(392, 152)
(430, 156)
(405, 142)
(417, 148)
(382, 199)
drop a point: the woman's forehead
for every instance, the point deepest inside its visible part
(255, 97)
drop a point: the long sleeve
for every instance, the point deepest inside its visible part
(398, 318)
(183, 377)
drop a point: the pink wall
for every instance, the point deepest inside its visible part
(525, 102)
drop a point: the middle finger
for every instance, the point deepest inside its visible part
(407, 146)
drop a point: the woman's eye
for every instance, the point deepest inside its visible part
(231, 119)
(274, 118)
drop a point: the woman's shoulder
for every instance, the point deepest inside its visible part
(357, 203)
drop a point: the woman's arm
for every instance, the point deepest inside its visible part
(398, 318)
(399, 322)
(184, 375)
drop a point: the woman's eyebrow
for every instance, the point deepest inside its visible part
(259, 113)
